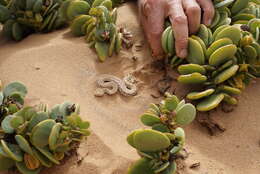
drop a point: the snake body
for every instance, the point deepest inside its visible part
(109, 84)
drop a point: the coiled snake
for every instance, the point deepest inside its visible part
(109, 84)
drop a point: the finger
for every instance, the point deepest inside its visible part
(152, 19)
(180, 27)
(208, 11)
(193, 12)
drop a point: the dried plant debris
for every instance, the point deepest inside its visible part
(195, 165)
(160, 146)
(210, 124)
(138, 46)
(223, 58)
(33, 138)
(164, 85)
(127, 38)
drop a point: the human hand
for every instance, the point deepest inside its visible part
(185, 17)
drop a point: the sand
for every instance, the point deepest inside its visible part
(58, 67)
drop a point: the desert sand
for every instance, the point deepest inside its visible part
(58, 67)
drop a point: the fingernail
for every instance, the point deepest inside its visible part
(183, 53)
(208, 22)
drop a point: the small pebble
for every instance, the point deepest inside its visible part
(195, 165)
(134, 58)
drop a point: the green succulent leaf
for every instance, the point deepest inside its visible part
(1, 98)
(186, 114)
(54, 135)
(180, 134)
(171, 103)
(210, 103)
(84, 125)
(36, 119)
(74, 120)
(41, 132)
(130, 138)
(45, 151)
(13, 151)
(64, 108)
(172, 169)
(24, 170)
(44, 160)
(55, 112)
(6, 163)
(77, 8)
(4, 14)
(23, 144)
(161, 127)
(16, 121)
(2, 152)
(150, 140)
(17, 97)
(15, 87)
(149, 119)
(6, 125)
(142, 166)
(102, 50)
(27, 113)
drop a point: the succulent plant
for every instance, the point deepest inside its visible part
(114, 2)
(222, 59)
(96, 20)
(159, 146)
(22, 17)
(250, 12)
(11, 98)
(32, 138)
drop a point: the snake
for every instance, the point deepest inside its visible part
(110, 84)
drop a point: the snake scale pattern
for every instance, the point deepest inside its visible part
(109, 84)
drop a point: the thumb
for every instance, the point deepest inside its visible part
(152, 17)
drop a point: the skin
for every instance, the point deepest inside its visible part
(185, 16)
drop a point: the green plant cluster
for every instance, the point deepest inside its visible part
(33, 138)
(250, 12)
(223, 58)
(96, 20)
(23, 17)
(159, 146)
(115, 2)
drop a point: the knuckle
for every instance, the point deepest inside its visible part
(155, 34)
(151, 3)
(209, 11)
(148, 6)
(193, 10)
(180, 20)
(172, 2)
(181, 42)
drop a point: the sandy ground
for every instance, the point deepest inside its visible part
(58, 67)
